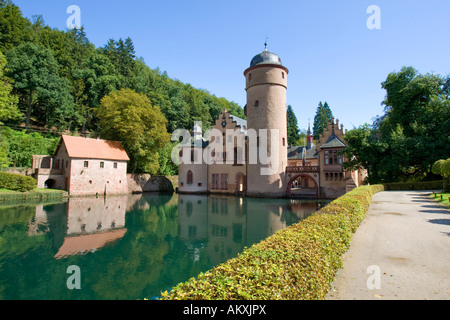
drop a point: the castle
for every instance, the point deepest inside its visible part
(251, 157)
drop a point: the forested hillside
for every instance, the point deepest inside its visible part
(53, 81)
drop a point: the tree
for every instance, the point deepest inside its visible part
(130, 117)
(21, 146)
(405, 142)
(442, 168)
(8, 102)
(121, 53)
(321, 119)
(14, 28)
(416, 124)
(293, 132)
(97, 78)
(363, 151)
(35, 73)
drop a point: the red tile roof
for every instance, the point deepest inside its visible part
(88, 148)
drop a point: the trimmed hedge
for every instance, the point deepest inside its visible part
(298, 262)
(16, 182)
(426, 185)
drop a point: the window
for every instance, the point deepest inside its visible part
(215, 181)
(86, 164)
(249, 77)
(332, 157)
(238, 156)
(189, 208)
(282, 75)
(189, 177)
(284, 142)
(102, 164)
(224, 181)
(192, 231)
(257, 103)
(115, 165)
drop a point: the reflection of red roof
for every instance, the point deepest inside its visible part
(79, 147)
(87, 242)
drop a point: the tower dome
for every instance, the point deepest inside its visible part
(265, 57)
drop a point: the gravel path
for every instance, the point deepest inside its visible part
(400, 251)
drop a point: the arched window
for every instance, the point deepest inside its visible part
(190, 177)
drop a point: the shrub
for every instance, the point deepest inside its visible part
(16, 182)
(299, 262)
(426, 185)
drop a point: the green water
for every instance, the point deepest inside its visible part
(129, 247)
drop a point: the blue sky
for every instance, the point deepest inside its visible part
(330, 53)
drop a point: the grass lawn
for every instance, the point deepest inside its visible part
(6, 191)
(10, 196)
(445, 198)
(2, 191)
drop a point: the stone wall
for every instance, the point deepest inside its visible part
(139, 183)
(98, 178)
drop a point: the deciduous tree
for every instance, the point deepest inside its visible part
(130, 117)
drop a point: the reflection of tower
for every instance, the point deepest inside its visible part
(266, 84)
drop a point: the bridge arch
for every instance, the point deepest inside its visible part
(295, 177)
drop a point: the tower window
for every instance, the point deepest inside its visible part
(257, 103)
(249, 77)
(282, 75)
(284, 142)
(190, 177)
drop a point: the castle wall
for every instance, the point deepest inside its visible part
(199, 183)
(228, 177)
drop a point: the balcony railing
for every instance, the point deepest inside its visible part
(306, 169)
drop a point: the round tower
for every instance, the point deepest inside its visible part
(266, 85)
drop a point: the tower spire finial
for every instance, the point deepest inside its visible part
(265, 43)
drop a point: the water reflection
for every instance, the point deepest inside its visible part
(130, 247)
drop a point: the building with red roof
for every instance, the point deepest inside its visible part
(84, 166)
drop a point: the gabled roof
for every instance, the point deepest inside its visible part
(88, 148)
(296, 153)
(241, 123)
(333, 142)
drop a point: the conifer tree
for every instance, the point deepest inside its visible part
(293, 132)
(322, 117)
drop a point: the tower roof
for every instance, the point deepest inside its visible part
(265, 57)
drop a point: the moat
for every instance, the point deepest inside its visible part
(130, 247)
